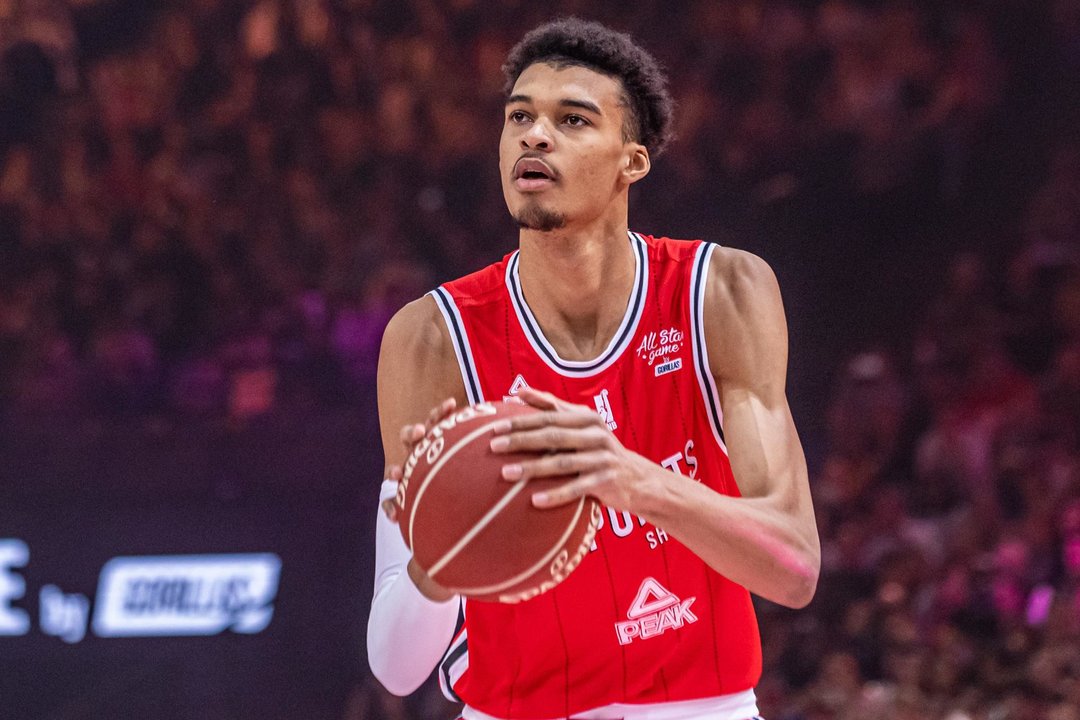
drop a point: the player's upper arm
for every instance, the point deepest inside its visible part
(417, 370)
(745, 323)
(746, 335)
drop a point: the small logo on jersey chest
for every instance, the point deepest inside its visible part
(659, 346)
(515, 388)
(655, 610)
(668, 367)
(603, 408)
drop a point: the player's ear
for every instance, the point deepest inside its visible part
(636, 163)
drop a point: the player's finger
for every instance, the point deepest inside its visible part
(572, 433)
(585, 485)
(572, 417)
(546, 401)
(538, 398)
(390, 508)
(439, 412)
(395, 473)
(556, 465)
(551, 437)
(411, 434)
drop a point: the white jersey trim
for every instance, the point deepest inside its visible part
(635, 307)
(460, 339)
(736, 706)
(454, 664)
(706, 382)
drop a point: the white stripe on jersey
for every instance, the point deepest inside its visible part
(709, 393)
(451, 669)
(462, 348)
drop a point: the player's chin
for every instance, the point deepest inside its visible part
(540, 217)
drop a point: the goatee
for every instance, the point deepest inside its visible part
(540, 219)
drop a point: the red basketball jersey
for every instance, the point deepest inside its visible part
(642, 619)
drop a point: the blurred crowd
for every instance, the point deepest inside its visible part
(209, 209)
(949, 506)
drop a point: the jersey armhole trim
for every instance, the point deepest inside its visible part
(706, 382)
(460, 339)
(453, 666)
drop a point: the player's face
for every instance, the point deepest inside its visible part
(562, 157)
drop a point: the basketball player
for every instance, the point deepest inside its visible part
(660, 367)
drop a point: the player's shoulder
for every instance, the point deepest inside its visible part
(738, 277)
(666, 248)
(744, 321)
(739, 265)
(479, 286)
(417, 327)
(732, 273)
(742, 300)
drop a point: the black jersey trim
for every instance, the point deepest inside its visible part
(452, 657)
(706, 381)
(583, 368)
(462, 349)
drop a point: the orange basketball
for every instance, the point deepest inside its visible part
(477, 534)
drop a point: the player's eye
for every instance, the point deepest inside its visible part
(576, 121)
(517, 116)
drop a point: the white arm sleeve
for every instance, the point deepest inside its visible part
(407, 633)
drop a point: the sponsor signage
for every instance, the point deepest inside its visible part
(148, 596)
(186, 595)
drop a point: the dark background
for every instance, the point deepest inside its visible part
(210, 209)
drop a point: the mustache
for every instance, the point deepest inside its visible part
(537, 163)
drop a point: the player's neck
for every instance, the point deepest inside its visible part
(577, 282)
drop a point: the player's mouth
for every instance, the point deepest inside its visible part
(533, 174)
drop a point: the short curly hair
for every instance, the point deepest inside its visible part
(572, 41)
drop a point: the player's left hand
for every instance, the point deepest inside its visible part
(577, 442)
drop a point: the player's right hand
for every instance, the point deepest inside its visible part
(410, 436)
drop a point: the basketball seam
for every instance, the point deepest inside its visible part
(546, 559)
(477, 528)
(450, 452)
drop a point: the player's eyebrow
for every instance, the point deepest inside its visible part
(565, 102)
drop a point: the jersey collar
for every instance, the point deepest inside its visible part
(619, 342)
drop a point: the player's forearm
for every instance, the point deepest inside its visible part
(750, 541)
(407, 635)
(407, 632)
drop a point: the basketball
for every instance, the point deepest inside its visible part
(477, 534)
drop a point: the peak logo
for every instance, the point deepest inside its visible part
(516, 387)
(655, 610)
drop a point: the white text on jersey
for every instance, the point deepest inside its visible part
(655, 610)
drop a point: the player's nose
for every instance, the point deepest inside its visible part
(538, 137)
